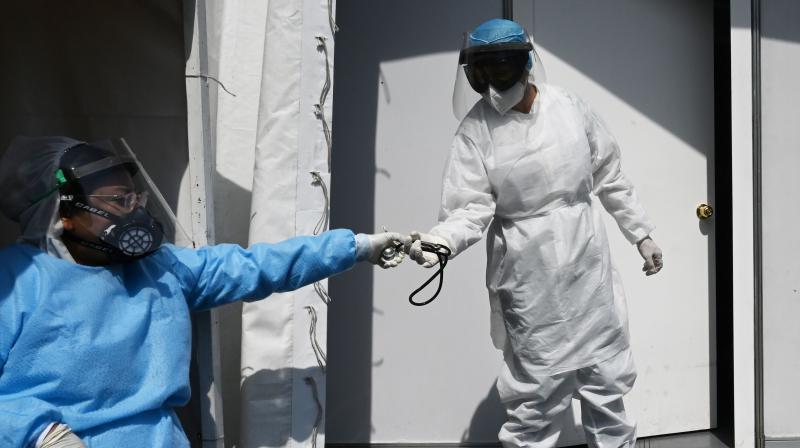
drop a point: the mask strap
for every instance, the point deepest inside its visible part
(100, 247)
(89, 209)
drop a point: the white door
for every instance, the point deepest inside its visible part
(647, 68)
(398, 373)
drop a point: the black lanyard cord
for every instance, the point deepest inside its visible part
(443, 254)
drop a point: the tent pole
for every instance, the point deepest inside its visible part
(201, 162)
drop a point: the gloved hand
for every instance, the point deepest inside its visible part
(59, 436)
(414, 248)
(653, 258)
(382, 249)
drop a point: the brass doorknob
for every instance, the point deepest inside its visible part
(704, 211)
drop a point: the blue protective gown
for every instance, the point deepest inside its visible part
(106, 350)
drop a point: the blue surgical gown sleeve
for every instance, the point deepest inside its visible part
(468, 203)
(224, 273)
(611, 186)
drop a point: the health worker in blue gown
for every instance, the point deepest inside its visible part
(96, 295)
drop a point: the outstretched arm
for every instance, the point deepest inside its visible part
(224, 273)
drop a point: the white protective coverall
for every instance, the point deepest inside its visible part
(531, 179)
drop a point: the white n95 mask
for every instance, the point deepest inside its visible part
(503, 101)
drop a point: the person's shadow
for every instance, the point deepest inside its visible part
(490, 415)
(275, 390)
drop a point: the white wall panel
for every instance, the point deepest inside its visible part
(780, 152)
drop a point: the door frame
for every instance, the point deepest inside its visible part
(745, 243)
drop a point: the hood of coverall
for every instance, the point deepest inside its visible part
(30, 190)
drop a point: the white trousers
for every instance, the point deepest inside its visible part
(534, 405)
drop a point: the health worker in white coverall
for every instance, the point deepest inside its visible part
(526, 163)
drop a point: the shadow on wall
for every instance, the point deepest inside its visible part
(776, 26)
(646, 80)
(491, 414)
(232, 225)
(263, 384)
(487, 419)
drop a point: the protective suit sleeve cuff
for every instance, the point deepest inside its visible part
(362, 247)
(447, 241)
(639, 233)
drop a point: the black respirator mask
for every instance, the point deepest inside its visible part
(87, 170)
(129, 236)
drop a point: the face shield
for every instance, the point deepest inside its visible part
(496, 66)
(130, 217)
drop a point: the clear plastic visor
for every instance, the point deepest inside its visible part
(465, 97)
(119, 183)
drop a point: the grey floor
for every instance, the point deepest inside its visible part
(783, 444)
(700, 439)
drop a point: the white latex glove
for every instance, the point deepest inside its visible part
(653, 258)
(380, 248)
(415, 252)
(59, 435)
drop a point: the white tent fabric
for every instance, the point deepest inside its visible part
(268, 69)
(283, 338)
